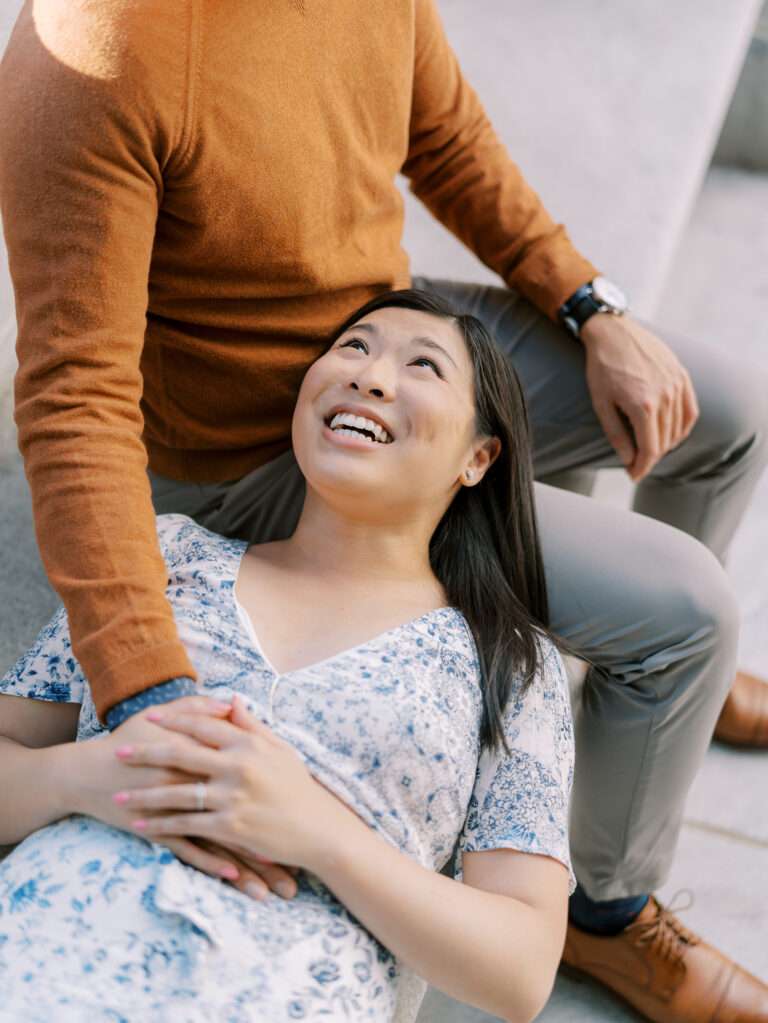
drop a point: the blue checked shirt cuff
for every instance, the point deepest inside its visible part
(163, 692)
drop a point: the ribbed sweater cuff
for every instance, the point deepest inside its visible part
(163, 692)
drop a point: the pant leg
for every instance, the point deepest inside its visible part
(703, 486)
(655, 610)
(650, 605)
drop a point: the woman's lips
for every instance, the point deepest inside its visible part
(346, 440)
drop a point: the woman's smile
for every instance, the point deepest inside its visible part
(352, 438)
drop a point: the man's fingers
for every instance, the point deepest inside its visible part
(616, 431)
(676, 435)
(645, 426)
(690, 407)
(664, 426)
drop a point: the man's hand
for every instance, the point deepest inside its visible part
(631, 371)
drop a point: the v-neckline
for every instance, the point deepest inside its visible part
(248, 626)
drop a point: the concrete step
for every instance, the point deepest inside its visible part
(611, 110)
(744, 139)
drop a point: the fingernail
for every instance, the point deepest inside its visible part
(154, 715)
(139, 825)
(255, 890)
(230, 872)
(284, 889)
(121, 797)
(124, 751)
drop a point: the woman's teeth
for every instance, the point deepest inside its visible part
(356, 426)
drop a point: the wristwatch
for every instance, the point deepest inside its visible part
(599, 296)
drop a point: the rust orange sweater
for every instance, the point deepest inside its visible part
(194, 193)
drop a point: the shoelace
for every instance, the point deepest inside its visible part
(665, 935)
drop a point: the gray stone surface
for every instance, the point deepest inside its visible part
(26, 598)
(744, 139)
(611, 110)
(734, 917)
(8, 10)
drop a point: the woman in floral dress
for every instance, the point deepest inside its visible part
(376, 692)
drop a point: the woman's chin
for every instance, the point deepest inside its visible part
(341, 480)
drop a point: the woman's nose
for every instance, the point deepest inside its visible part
(377, 392)
(377, 381)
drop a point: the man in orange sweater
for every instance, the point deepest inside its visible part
(194, 195)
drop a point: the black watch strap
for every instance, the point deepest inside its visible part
(576, 310)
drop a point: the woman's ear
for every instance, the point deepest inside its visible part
(485, 454)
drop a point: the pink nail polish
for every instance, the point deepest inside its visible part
(154, 715)
(139, 825)
(124, 751)
(231, 873)
(121, 797)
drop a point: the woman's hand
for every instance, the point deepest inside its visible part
(99, 772)
(258, 798)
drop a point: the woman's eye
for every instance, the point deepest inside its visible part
(355, 341)
(423, 360)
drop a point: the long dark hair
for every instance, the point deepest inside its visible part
(485, 550)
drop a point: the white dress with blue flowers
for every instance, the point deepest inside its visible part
(99, 924)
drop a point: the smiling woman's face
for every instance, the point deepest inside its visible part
(387, 415)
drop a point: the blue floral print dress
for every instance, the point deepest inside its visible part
(99, 924)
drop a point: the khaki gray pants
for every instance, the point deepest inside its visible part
(643, 593)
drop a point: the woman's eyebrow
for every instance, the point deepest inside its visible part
(427, 342)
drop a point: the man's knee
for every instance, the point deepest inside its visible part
(736, 419)
(680, 606)
(705, 604)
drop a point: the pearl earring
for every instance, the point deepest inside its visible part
(469, 474)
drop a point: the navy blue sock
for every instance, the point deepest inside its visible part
(606, 918)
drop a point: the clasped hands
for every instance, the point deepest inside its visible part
(265, 816)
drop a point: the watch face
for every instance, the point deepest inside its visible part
(610, 294)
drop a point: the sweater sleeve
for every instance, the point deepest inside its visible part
(88, 127)
(461, 171)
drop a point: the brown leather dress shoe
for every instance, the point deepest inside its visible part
(667, 973)
(743, 720)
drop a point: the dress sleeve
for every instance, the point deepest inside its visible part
(521, 799)
(48, 670)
